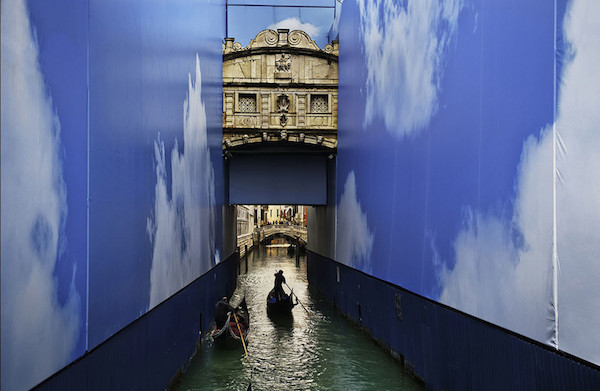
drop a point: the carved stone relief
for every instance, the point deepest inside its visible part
(283, 103)
(283, 64)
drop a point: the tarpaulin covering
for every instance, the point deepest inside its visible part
(468, 155)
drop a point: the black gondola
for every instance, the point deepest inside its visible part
(237, 321)
(283, 304)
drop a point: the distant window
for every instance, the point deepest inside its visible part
(318, 104)
(247, 103)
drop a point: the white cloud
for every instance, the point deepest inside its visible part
(578, 192)
(38, 333)
(404, 49)
(295, 24)
(182, 226)
(354, 240)
(499, 280)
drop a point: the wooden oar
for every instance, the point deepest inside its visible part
(307, 311)
(241, 336)
(245, 350)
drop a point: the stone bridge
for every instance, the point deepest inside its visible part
(291, 231)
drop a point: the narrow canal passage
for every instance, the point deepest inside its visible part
(320, 351)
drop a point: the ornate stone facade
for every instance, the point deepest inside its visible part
(281, 87)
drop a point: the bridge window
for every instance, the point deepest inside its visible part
(318, 103)
(247, 103)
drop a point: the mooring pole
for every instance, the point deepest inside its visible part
(297, 251)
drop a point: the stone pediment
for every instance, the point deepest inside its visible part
(282, 38)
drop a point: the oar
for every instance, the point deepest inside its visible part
(245, 350)
(307, 311)
(241, 336)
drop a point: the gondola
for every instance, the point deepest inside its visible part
(234, 324)
(276, 305)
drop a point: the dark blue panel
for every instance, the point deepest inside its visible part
(149, 352)
(448, 349)
(278, 179)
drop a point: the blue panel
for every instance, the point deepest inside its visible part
(466, 130)
(155, 126)
(149, 352)
(448, 349)
(43, 188)
(278, 179)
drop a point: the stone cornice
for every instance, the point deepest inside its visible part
(271, 86)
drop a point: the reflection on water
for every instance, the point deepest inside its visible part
(320, 351)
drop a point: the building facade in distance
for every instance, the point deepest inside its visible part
(280, 88)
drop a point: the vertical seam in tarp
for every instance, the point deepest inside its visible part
(87, 196)
(554, 303)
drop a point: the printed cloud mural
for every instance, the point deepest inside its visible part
(498, 280)
(354, 240)
(578, 187)
(481, 159)
(404, 51)
(183, 224)
(39, 332)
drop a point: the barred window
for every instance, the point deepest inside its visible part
(247, 103)
(318, 104)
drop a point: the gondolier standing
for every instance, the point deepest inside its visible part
(279, 281)
(221, 309)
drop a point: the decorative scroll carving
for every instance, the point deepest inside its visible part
(279, 38)
(271, 37)
(284, 64)
(283, 103)
(283, 120)
(294, 37)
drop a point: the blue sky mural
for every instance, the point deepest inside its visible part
(130, 135)
(155, 153)
(464, 134)
(182, 227)
(43, 189)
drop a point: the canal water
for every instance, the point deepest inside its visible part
(314, 349)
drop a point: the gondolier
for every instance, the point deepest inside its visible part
(278, 301)
(230, 321)
(222, 308)
(279, 281)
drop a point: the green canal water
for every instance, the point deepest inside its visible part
(320, 351)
